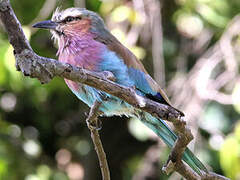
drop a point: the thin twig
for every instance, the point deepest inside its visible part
(92, 126)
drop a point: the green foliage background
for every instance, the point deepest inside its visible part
(39, 124)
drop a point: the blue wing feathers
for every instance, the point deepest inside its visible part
(140, 82)
(111, 62)
(128, 76)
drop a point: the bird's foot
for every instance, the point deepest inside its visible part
(109, 75)
(96, 125)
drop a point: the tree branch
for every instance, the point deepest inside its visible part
(92, 126)
(45, 69)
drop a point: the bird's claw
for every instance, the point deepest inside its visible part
(96, 125)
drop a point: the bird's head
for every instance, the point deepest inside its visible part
(71, 22)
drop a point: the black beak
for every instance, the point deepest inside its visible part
(46, 25)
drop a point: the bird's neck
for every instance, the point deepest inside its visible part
(80, 50)
(73, 42)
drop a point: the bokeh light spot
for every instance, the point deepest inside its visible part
(30, 132)
(8, 102)
(32, 148)
(189, 25)
(216, 141)
(83, 147)
(63, 156)
(14, 130)
(75, 171)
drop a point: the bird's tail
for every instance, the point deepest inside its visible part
(168, 136)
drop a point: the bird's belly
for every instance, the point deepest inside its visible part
(111, 106)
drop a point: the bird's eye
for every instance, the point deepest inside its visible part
(78, 18)
(69, 19)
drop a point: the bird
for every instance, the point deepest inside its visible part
(84, 41)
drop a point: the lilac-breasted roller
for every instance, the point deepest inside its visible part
(84, 41)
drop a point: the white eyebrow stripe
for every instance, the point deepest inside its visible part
(59, 15)
(73, 14)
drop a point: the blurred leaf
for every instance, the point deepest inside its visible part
(121, 13)
(106, 7)
(3, 73)
(43, 172)
(14, 77)
(236, 97)
(139, 52)
(230, 155)
(93, 5)
(212, 16)
(221, 6)
(59, 176)
(3, 167)
(237, 132)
